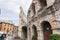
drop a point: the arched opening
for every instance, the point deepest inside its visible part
(24, 32)
(43, 3)
(46, 29)
(35, 32)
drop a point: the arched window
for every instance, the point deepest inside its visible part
(43, 3)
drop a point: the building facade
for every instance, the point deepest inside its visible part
(43, 19)
(6, 27)
(22, 29)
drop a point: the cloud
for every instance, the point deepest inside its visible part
(10, 9)
(10, 4)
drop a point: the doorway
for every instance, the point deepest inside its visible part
(46, 29)
(24, 32)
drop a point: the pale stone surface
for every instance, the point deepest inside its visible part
(38, 15)
(22, 22)
(50, 2)
(49, 15)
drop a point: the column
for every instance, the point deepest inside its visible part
(40, 35)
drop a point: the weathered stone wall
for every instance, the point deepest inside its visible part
(48, 13)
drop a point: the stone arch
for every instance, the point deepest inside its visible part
(35, 32)
(46, 29)
(43, 3)
(24, 32)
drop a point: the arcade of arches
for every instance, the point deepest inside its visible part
(46, 27)
(43, 20)
(29, 32)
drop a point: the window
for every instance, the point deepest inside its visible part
(8, 25)
(0, 28)
(4, 28)
(43, 3)
(33, 7)
(10, 28)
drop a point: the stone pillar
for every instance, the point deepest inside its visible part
(40, 35)
(28, 34)
(20, 32)
(32, 32)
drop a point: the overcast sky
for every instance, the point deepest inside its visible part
(10, 9)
